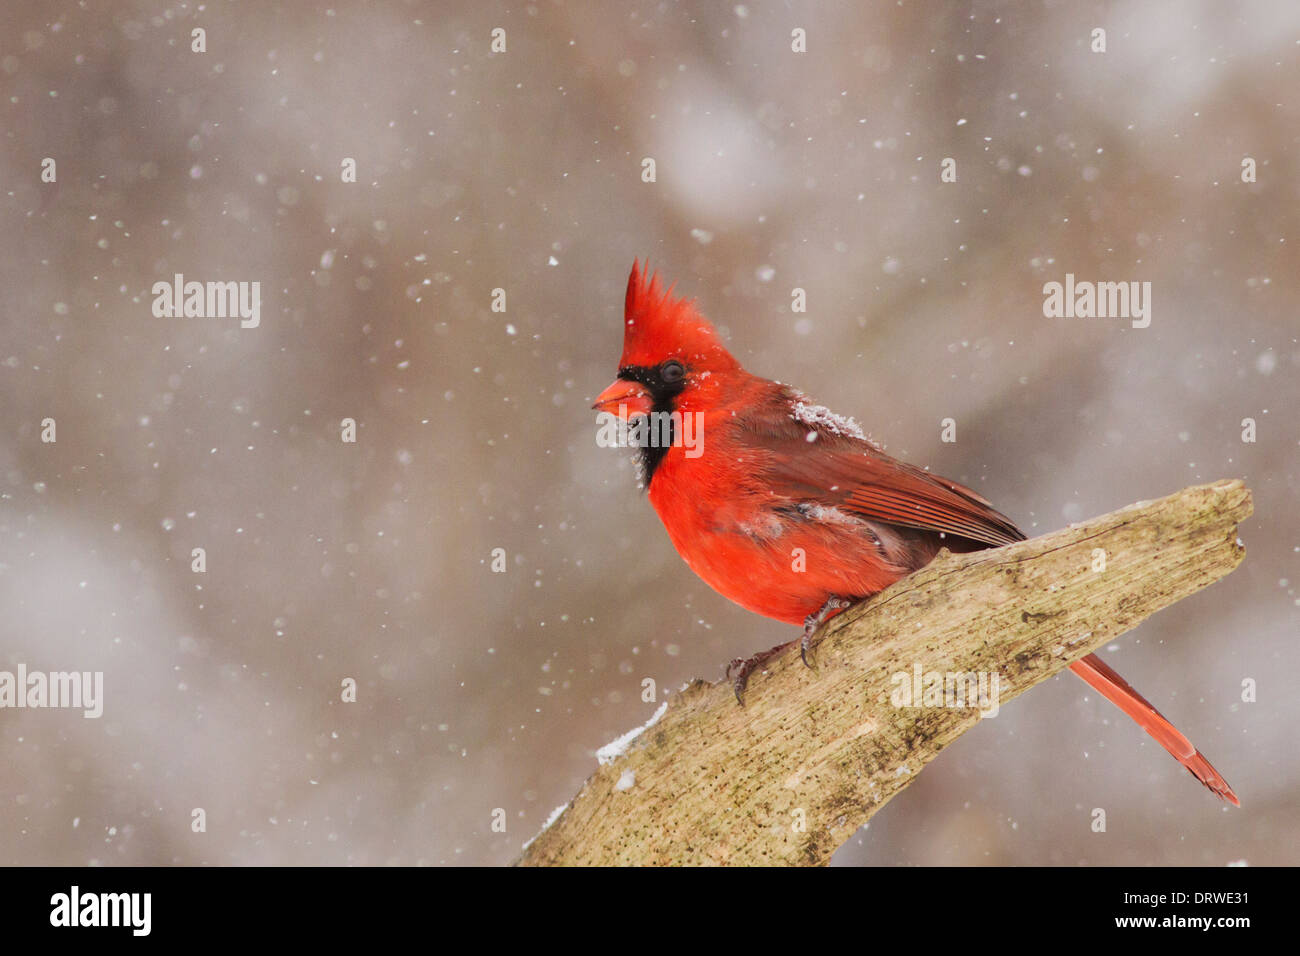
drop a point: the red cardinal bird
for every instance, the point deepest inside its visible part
(772, 472)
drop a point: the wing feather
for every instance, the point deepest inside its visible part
(843, 471)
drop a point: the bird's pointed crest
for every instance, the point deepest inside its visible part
(658, 325)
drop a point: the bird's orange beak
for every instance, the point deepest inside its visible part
(630, 395)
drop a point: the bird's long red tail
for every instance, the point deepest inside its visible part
(1119, 692)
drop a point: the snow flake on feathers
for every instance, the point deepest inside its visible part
(819, 416)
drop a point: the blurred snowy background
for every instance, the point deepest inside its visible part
(522, 171)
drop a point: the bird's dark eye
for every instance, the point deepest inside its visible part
(672, 371)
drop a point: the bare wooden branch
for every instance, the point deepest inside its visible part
(813, 754)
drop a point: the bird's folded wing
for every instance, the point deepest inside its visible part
(841, 471)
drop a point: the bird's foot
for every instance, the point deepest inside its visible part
(744, 667)
(832, 607)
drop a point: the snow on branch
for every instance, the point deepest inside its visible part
(792, 775)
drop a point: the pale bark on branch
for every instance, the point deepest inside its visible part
(793, 774)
